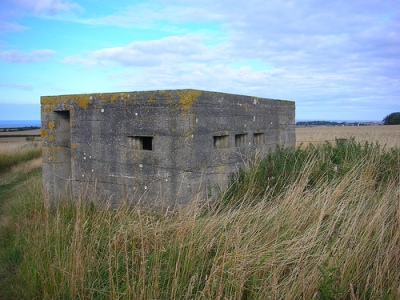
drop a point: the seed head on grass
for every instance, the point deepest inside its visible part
(317, 233)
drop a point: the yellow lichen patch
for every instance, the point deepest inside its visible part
(64, 102)
(49, 100)
(223, 132)
(187, 98)
(51, 125)
(53, 152)
(83, 101)
(45, 150)
(187, 132)
(151, 98)
(166, 93)
(112, 97)
(43, 133)
(51, 138)
(73, 146)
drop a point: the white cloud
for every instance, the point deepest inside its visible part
(11, 10)
(16, 56)
(6, 26)
(145, 15)
(47, 6)
(274, 83)
(318, 52)
(334, 52)
(170, 50)
(23, 87)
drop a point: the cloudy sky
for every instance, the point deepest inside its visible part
(338, 59)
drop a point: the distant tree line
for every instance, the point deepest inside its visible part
(392, 119)
(327, 123)
(19, 128)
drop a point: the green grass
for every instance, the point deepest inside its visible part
(319, 223)
(9, 158)
(12, 209)
(269, 177)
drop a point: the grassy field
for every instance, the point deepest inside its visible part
(20, 132)
(384, 135)
(19, 137)
(319, 222)
(15, 153)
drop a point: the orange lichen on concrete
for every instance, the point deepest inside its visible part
(50, 102)
(187, 98)
(112, 97)
(43, 132)
(73, 146)
(51, 125)
(83, 101)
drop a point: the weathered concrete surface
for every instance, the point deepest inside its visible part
(162, 147)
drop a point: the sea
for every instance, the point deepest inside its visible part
(19, 123)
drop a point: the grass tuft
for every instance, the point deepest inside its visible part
(317, 223)
(12, 156)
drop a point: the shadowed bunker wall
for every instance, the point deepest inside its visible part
(162, 147)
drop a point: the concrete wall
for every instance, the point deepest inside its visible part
(162, 147)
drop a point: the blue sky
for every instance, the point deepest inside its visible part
(339, 59)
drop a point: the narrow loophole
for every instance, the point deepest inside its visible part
(141, 142)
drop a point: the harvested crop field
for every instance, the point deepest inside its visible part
(388, 135)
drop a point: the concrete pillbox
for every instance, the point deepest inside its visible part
(159, 147)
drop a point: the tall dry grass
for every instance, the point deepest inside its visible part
(12, 154)
(332, 232)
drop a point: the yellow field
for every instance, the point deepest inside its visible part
(22, 132)
(388, 135)
(10, 146)
(15, 141)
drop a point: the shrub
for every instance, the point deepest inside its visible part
(392, 119)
